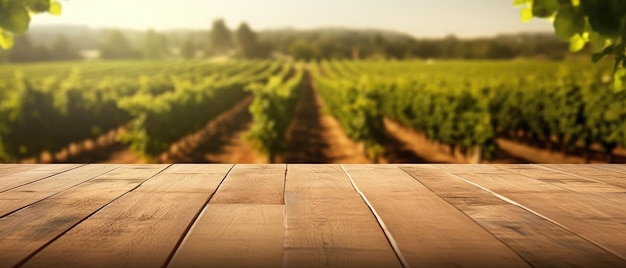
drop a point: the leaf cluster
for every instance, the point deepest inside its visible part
(602, 23)
(15, 17)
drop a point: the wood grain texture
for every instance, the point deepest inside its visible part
(26, 230)
(538, 241)
(326, 218)
(253, 184)
(25, 195)
(312, 216)
(600, 217)
(140, 229)
(234, 235)
(563, 180)
(6, 169)
(620, 168)
(429, 231)
(503, 181)
(613, 178)
(29, 175)
(198, 168)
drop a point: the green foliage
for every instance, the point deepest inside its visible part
(273, 109)
(353, 99)
(117, 46)
(220, 39)
(45, 107)
(154, 45)
(599, 22)
(301, 50)
(15, 17)
(159, 121)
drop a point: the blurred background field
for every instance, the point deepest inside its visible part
(287, 84)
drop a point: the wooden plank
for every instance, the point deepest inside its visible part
(335, 257)
(24, 232)
(234, 235)
(468, 168)
(594, 173)
(563, 180)
(198, 168)
(429, 231)
(514, 183)
(6, 169)
(140, 229)
(538, 241)
(599, 217)
(620, 168)
(25, 195)
(326, 219)
(11, 181)
(253, 184)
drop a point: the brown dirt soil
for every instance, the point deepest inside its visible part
(316, 137)
(433, 152)
(104, 149)
(540, 155)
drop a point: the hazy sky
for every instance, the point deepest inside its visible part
(432, 18)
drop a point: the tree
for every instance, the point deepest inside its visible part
(246, 41)
(221, 40)
(62, 49)
(188, 49)
(154, 45)
(116, 46)
(15, 17)
(598, 22)
(23, 51)
(301, 50)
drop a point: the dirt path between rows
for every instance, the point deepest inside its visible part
(509, 152)
(433, 152)
(316, 137)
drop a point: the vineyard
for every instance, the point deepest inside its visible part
(467, 109)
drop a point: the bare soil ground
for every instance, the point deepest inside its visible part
(510, 151)
(316, 137)
(434, 152)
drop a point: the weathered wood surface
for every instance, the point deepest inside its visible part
(313, 215)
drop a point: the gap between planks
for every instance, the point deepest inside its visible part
(392, 241)
(512, 202)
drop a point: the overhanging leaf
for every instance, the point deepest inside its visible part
(568, 22)
(576, 43)
(17, 19)
(6, 40)
(545, 8)
(38, 6)
(55, 8)
(527, 14)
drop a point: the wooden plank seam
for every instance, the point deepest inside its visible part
(571, 174)
(392, 241)
(30, 256)
(52, 195)
(600, 167)
(505, 199)
(194, 221)
(51, 175)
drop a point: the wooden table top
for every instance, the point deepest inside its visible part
(299, 215)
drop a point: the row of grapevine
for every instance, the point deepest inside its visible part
(354, 103)
(160, 121)
(44, 108)
(272, 111)
(48, 114)
(470, 105)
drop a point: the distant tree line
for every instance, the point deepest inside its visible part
(244, 42)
